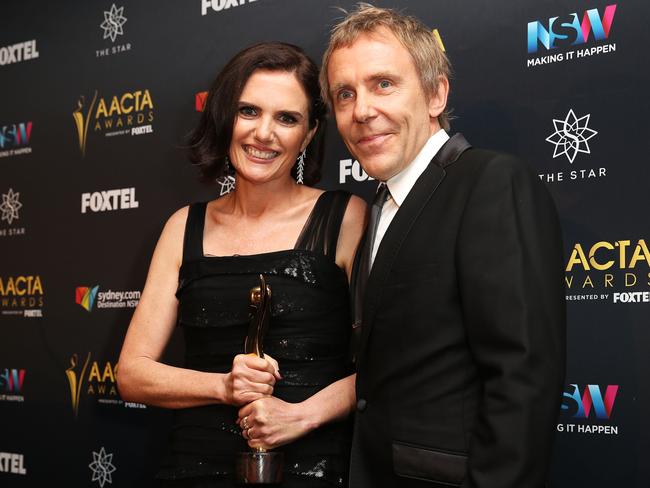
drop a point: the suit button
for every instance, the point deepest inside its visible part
(361, 405)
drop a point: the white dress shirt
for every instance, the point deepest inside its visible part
(401, 184)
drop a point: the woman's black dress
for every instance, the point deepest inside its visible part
(309, 335)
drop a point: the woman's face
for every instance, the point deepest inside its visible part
(271, 127)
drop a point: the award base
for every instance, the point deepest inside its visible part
(259, 467)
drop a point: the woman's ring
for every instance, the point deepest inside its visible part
(244, 423)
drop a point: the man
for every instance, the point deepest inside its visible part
(461, 362)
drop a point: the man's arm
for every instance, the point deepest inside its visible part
(511, 284)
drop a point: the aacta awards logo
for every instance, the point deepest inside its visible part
(11, 385)
(113, 28)
(129, 113)
(21, 295)
(96, 380)
(617, 271)
(586, 404)
(577, 31)
(93, 379)
(14, 139)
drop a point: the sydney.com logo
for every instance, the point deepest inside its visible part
(89, 296)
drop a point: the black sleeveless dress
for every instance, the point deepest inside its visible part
(309, 335)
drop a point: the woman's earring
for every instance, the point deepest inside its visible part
(300, 168)
(227, 181)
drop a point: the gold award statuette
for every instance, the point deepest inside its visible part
(259, 466)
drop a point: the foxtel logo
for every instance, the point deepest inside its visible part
(16, 53)
(102, 201)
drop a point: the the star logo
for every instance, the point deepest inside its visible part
(113, 22)
(226, 184)
(10, 206)
(571, 136)
(102, 467)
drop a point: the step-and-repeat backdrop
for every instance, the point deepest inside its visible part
(96, 98)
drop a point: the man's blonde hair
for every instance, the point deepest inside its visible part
(430, 60)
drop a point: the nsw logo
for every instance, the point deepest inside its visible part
(14, 139)
(11, 380)
(572, 33)
(580, 405)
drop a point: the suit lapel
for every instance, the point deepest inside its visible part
(399, 228)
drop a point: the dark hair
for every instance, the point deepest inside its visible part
(209, 142)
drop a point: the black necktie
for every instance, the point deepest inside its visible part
(375, 213)
(362, 263)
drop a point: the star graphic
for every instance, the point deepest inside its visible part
(10, 206)
(571, 136)
(102, 467)
(113, 22)
(226, 184)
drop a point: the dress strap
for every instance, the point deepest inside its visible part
(193, 239)
(321, 231)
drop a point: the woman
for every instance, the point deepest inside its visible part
(263, 122)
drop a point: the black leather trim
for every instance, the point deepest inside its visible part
(428, 464)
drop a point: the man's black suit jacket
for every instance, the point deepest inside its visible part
(460, 369)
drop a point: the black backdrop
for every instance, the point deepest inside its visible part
(74, 253)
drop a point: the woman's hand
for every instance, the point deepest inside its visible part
(270, 422)
(250, 379)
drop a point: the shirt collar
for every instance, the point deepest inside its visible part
(400, 185)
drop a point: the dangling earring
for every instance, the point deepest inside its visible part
(227, 181)
(300, 168)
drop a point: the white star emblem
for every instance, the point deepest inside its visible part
(102, 467)
(571, 136)
(113, 22)
(10, 206)
(226, 184)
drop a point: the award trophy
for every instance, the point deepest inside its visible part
(259, 466)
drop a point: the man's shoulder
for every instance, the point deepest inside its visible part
(488, 157)
(493, 163)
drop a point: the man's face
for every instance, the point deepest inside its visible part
(381, 110)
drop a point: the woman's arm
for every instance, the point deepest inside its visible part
(141, 375)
